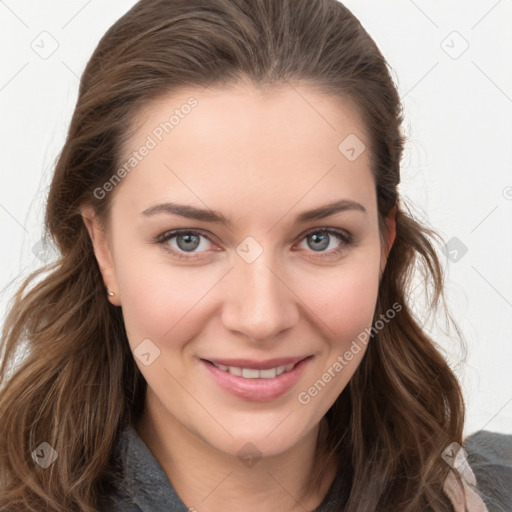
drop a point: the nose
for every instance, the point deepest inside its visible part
(260, 304)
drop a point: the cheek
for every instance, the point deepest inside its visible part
(159, 300)
(353, 306)
(344, 305)
(342, 298)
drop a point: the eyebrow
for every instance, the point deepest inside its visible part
(191, 212)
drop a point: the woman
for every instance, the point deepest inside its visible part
(228, 326)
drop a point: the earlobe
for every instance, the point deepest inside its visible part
(103, 254)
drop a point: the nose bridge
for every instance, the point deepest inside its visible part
(258, 304)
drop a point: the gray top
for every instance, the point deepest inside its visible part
(490, 458)
(146, 487)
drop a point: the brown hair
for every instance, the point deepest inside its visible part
(78, 385)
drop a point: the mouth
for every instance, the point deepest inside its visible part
(259, 381)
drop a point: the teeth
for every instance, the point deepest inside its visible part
(235, 371)
(268, 374)
(252, 373)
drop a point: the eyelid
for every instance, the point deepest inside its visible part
(171, 233)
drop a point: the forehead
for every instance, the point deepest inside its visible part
(273, 114)
(277, 144)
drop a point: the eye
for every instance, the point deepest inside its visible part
(320, 239)
(182, 243)
(186, 244)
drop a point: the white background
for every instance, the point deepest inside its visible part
(456, 170)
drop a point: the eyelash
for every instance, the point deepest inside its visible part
(344, 237)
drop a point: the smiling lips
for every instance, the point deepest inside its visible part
(256, 380)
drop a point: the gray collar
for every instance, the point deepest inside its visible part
(145, 484)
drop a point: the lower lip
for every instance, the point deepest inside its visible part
(257, 390)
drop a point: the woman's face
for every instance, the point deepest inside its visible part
(254, 282)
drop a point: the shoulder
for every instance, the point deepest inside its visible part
(489, 455)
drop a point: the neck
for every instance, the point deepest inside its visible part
(208, 480)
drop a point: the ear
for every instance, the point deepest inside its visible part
(389, 237)
(103, 253)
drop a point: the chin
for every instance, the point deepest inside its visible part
(266, 440)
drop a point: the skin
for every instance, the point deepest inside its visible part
(260, 158)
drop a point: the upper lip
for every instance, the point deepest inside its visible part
(258, 365)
